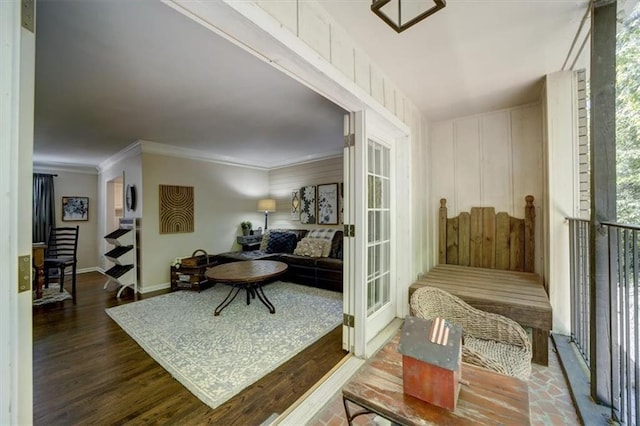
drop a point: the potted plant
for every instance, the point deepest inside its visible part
(246, 227)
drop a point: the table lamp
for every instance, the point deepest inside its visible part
(266, 206)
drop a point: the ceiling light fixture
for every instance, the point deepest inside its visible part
(402, 14)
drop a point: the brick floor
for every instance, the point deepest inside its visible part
(549, 400)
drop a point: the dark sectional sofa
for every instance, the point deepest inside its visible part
(322, 272)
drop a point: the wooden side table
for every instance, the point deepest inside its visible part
(37, 256)
(486, 398)
(249, 242)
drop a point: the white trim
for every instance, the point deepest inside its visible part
(195, 154)
(53, 167)
(149, 289)
(89, 269)
(129, 151)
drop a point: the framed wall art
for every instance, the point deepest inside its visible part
(75, 209)
(295, 205)
(176, 209)
(328, 204)
(308, 204)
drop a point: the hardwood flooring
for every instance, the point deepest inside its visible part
(87, 370)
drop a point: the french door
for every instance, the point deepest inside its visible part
(369, 287)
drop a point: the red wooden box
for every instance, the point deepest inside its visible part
(431, 371)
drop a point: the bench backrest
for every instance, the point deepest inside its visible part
(484, 239)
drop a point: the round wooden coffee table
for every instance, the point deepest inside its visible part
(248, 274)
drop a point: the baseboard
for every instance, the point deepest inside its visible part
(149, 289)
(91, 269)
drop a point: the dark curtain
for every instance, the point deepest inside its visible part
(44, 209)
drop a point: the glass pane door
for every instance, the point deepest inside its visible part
(378, 227)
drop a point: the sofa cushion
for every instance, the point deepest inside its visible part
(245, 255)
(294, 259)
(336, 245)
(281, 242)
(329, 263)
(312, 247)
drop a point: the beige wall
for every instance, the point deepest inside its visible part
(224, 195)
(80, 184)
(285, 180)
(492, 159)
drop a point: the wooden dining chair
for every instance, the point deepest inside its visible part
(62, 249)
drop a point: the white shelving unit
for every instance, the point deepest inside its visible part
(124, 255)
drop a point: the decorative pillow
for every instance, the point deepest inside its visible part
(265, 241)
(281, 242)
(325, 244)
(310, 247)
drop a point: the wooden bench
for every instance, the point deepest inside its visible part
(487, 260)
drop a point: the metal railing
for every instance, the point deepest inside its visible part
(579, 270)
(624, 287)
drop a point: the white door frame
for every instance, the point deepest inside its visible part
(17, 67)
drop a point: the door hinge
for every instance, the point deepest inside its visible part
(27, 14)
(349, 140)
(348, 320)
(24, 273)
(349, 230)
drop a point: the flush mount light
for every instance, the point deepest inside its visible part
(402, 14)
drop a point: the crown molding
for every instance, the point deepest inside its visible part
(129, 151)
(54, 167)
(194, 154)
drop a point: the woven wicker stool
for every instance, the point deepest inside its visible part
(491, 341)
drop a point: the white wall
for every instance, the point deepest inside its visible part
(82, 184)
(284, 180)
(492, 159)
(561, 160)
(127, 163)
(225, 195)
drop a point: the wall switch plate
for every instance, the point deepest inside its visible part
(24, 273)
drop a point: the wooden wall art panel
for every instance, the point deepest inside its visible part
(176, 209)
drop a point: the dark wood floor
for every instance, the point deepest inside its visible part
(88, 371)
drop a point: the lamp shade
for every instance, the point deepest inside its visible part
(267, 205)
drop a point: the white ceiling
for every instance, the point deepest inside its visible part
(472, 56)
(108, 75)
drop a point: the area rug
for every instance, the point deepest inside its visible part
(215, 357)
(51, 295)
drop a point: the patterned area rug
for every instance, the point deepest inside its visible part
(51, 295)
(215, 357)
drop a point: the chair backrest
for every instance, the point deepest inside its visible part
(63, 242)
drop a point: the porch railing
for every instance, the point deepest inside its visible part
(624, 286)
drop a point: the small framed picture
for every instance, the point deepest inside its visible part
(328, 204)
(75, 208)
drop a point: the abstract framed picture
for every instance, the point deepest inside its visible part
(176, 209)
(295, 205)
(328, 204)
(75, 209)
(308, 204)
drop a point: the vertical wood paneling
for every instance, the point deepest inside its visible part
(526, 136)
(342, 52)
(517, 245)
(475, 241)
(452, 241)
(285, 12)
(443, 169)
(464, 234)
(377, 85)
(314, 29)
(362, 70)
(467, 166)
(496, 161)
(488, 237)
(503, 240)
(389, 96)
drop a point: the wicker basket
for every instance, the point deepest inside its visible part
(191, 273)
